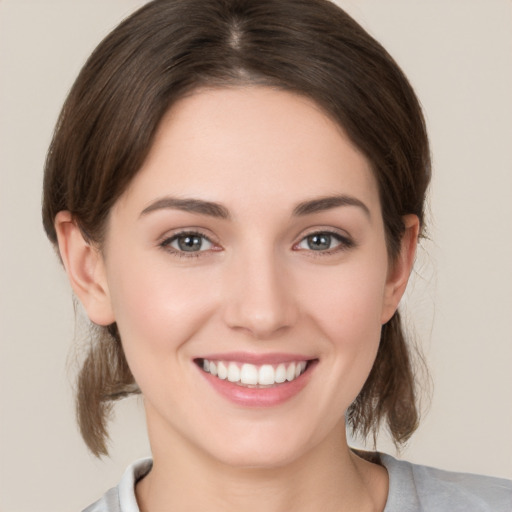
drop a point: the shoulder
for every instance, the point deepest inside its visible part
(413, 487)
(122, 497)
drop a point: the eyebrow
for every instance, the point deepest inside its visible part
(188, 205)
(217, 210)
(326, 203)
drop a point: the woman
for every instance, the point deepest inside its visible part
(236, 189)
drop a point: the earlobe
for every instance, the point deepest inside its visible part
(401, 268)
(85, 269)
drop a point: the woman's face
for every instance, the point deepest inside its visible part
(247, 271)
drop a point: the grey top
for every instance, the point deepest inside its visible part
(412, 488)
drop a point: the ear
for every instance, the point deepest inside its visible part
(400, 269)
(85, 268)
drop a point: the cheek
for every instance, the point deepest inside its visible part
(157, 310)
(349, 317)
(348, 303)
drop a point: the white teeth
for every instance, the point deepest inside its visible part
(266, 375)
(249, 374)
(280, 373)
(252, 375)
(233, 372)
(290, 372)
(222, 371)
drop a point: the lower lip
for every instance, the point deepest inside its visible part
(259, 397)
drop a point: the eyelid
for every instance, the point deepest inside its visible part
(164, 242)
(345, 240)
(330, 230)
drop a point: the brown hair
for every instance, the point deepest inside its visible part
(170, 47)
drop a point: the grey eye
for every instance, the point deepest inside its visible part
(324, 241)
(319, 242)
(190, 242)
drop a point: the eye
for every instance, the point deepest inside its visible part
(324, 241)
(188, 243)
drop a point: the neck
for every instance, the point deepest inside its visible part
(328, 478)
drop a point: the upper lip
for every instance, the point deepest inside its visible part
(257, 359)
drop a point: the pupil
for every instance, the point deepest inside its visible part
(189, 243)
(319, 242)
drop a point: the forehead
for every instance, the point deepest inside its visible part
(248, 144)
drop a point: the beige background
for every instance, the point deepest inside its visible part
(458, 55)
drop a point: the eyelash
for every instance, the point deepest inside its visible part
(344, 243)
(166, 244)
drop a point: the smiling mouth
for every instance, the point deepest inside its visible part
(252, 375)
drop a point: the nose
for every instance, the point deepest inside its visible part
(259, 296)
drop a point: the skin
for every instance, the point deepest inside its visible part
(257, 286)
